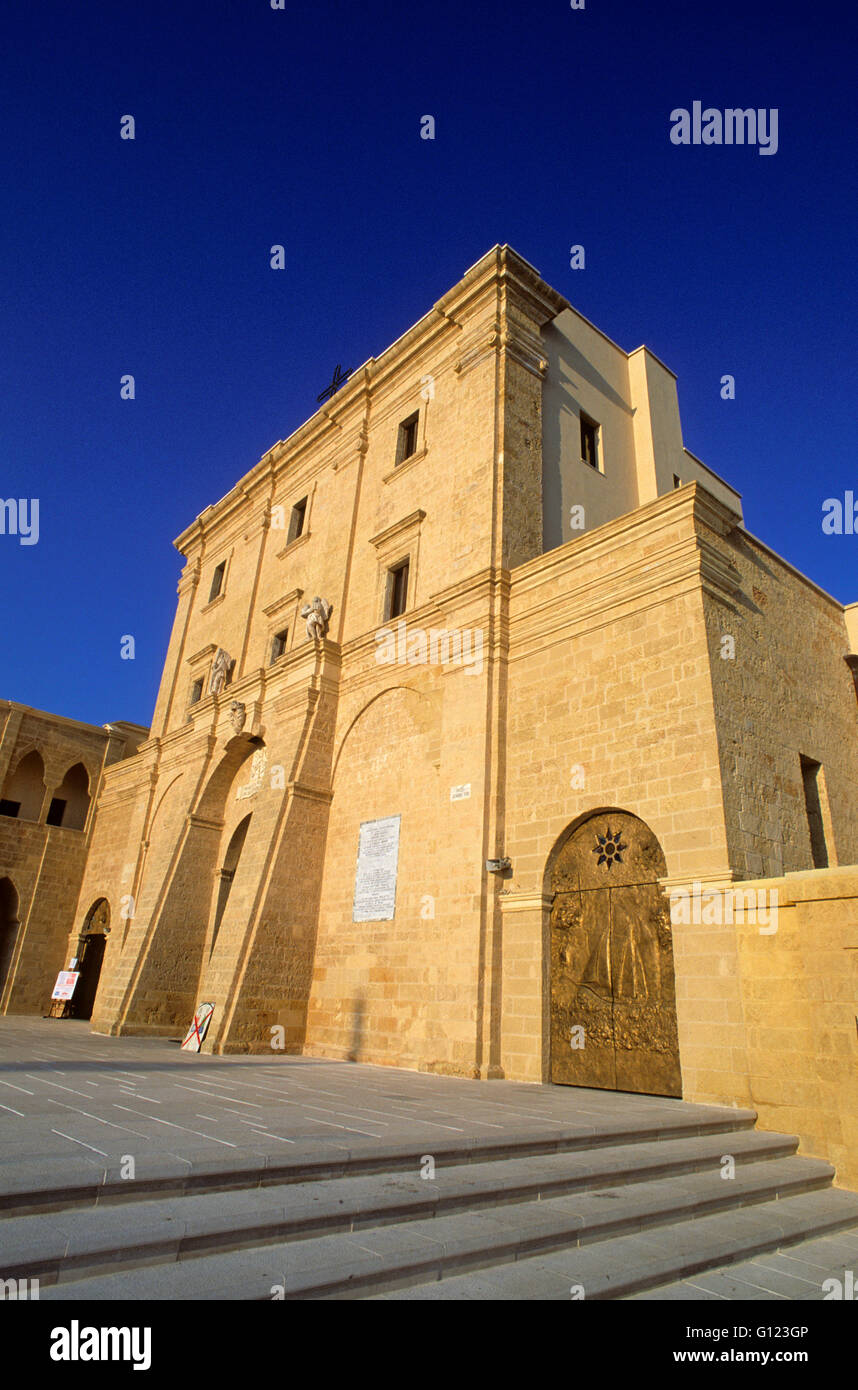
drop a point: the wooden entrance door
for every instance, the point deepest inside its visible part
(613, 996)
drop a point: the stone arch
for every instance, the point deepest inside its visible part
(70, 801)
(613, 1021)
(24, 789)
(212, 800)
(91, 947)
(566, 834)
(9, 924)
(226, 873)
(97, 919)
(425, 712)
(164, 992)
(365, 971)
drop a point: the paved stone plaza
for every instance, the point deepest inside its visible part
(129, 1169)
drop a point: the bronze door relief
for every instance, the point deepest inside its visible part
(613, 997)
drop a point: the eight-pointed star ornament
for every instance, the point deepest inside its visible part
(609, 849)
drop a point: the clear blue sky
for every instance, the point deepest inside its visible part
(302, 127)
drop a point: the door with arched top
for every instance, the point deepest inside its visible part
(613, 994)
(9, 925)
(92, 942)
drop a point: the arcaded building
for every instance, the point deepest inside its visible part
(50, 771)
(467, 677)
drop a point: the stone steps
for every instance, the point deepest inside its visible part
(20, 1195)
(496, 1238)
(614, 1204)
(60, 1245)
(655, 1263)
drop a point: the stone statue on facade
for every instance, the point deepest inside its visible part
(318, 614)
(221, 667)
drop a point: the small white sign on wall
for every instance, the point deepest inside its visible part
(375, 879)
(460, 793)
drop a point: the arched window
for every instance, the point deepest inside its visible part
(70, 801)
(24, 789)
(8, 927)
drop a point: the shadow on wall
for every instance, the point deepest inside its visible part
(353, 1054)
(564, 481)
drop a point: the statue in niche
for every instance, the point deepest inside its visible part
(221, 668)
(318, 614)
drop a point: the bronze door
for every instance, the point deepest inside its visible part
(613, 996)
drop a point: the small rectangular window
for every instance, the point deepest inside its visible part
(55, 812)
(296, 520)
(196, 692)
(217, 580)
(810, 771)
(589, 441)
(9, 808)
(397, 590)
(278, 644)
(406, 444)
(677, 481)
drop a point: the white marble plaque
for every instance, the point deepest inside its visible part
(375, 880)
(460, 793)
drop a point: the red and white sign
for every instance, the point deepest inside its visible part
(66, 981)
(194, 1037)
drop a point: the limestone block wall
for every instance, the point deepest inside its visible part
(782, 690)
(460, 502)
(609, 706)
(406, 991)
(786, 1042)
(586, 373)
(46, 863)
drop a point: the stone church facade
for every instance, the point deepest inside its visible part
(549, 681)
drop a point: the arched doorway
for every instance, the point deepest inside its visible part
(8, 928)
(93, 940)
(613, 995)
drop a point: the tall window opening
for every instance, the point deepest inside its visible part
(396, 596)
(296, 520)
(810, 772)
(589, 441)
(217, 580)
(406, 443)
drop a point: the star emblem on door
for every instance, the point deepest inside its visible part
(609, 849)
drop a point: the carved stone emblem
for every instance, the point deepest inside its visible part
(221, 667)
(318, 614)
(237, 715)
(257, 775)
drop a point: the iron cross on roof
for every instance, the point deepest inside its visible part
(339, 379)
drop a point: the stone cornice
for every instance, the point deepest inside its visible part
(202, 655)
(398, 529)
(525, 901)
(501, 276)
(281, 605)
(307, 793)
